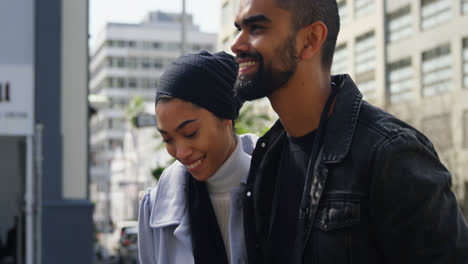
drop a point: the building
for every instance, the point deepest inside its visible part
(227, 31)
(127, 61)
(409, 57)
(46, 213)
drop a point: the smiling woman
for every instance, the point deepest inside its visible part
(195, 214)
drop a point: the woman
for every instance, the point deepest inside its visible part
(195, 214)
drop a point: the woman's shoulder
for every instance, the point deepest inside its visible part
(172, 178)
(166, 201)
(248, 142)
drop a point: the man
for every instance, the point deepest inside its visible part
(335, 180)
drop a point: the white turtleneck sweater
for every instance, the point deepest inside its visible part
(220, 185)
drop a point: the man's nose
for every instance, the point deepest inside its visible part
(240, 44)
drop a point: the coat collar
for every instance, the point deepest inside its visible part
(169, 203)
(168, 207)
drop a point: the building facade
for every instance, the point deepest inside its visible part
(46, 214)
(127, 61)
(409, 57)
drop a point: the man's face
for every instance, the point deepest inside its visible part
(265, 48)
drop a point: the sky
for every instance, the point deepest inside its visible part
(206, 13)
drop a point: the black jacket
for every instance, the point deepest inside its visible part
(380, 195)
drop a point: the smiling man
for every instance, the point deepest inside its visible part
(335, 180)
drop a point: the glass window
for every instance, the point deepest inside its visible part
(110, 62)
(343, 11)
(340, 59)
(131, 62)
(435, 12)
(365, 53)
(465, 63)
(156, 45)
(132, 83)
(437, 71)
(400, 81)
(367, 85)
(145, 83)
(464, 7)
(110, 82)
(120, 82)
(438, 130)
(147, 45)
(465, 129)
(121, 43)
(120, 62)
(158, 63)
(145, 63)
(363, 7)
(399, 24)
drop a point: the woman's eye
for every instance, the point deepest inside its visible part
(167, 140)
(191, 135)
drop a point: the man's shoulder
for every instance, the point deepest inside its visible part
(379, 121)
(378, 124)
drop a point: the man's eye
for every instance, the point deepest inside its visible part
(255, 28)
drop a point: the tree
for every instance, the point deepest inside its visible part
(134, 107)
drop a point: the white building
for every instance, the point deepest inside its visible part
(127, 60)
(409, 57)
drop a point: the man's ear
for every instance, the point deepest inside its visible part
(312, 38)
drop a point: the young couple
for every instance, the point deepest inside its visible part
(335, 179)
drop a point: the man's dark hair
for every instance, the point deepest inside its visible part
(306, 12)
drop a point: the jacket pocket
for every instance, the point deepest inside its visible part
(335, 226)
(337, 213)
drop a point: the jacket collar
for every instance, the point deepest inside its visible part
(340, 127)
(342, 123)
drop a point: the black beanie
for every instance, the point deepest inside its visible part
(204, 79)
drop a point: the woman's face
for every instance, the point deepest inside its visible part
(195, 137)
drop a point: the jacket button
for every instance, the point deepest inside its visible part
(263, 144)
(249, 194)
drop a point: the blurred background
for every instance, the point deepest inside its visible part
(78, 143)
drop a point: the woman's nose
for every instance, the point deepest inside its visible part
(183, 152)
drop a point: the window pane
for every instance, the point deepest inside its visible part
(435, 12)
(401, 82)
(365, 53)
(340, 60)
(437, 71)
(363, 7)
(399, 24)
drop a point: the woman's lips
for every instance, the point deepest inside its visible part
(193, 166)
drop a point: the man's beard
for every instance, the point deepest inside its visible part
(267, 80)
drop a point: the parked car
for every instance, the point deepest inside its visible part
(116, 236)
(128, 246)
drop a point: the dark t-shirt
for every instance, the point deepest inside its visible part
(288, 194)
